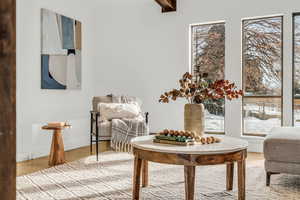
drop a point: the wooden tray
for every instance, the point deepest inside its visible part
(173, 142)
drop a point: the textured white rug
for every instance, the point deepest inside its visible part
(111, 179)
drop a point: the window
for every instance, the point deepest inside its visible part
(262, 75)
(208, 56)
(296, 60)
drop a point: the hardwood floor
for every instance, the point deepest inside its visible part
(30, 166)
(34, 165)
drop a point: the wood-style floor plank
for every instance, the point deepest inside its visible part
(30, 166)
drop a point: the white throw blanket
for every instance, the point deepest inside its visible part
(124, 130)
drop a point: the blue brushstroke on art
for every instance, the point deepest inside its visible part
(47, 80)
(67, 32)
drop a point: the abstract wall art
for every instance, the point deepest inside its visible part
(60, 51)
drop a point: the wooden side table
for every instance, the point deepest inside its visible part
(57, 152)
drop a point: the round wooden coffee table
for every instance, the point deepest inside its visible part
(57, 152)
(230, 150)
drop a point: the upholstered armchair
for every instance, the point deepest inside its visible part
(101, 130)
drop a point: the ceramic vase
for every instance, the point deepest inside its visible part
(194, 118)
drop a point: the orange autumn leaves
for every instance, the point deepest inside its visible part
(197, 90)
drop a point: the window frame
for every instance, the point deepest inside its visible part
(191, 70)
(293, 65)
(243, 73)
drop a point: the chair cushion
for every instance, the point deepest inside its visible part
(283, 144)
(111, 111)
(101, 99)
(115, 99)
(104, 129)
(126, 99)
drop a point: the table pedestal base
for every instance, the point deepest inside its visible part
(57, 152)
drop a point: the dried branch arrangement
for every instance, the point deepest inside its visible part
(197, 89)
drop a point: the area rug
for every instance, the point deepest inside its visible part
(111, 179)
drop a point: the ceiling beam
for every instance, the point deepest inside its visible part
(167, 5)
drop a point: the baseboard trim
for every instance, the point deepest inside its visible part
(42, 152)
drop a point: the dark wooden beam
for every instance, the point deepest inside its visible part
(8, 99)
(167, 5)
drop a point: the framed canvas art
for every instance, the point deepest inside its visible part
(60, 51)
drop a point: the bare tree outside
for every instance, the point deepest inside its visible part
(262, 56)
(208, 56)
(262, 74)
(262, 71)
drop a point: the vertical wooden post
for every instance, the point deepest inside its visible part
(136, 178)
(241, 180)
(145, 180)
(8, 99)
(229, 175)
(189, 180)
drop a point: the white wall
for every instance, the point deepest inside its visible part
(35, 107)
(150, 51)
(130, 47)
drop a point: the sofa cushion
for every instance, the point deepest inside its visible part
(283, 144)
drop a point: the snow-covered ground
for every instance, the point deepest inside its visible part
(297, 118)
(215, 123)
(268, 108)
(258, 126)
